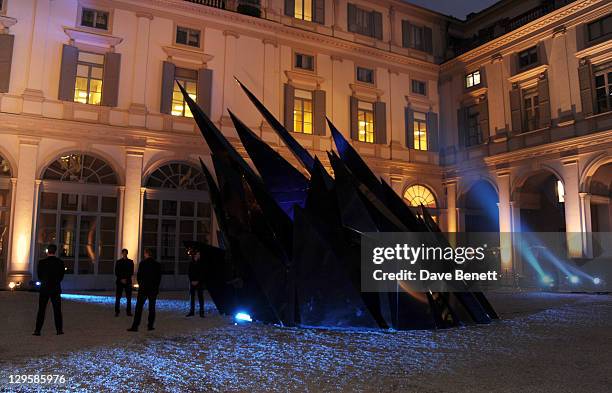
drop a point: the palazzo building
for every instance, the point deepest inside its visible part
(501, 122)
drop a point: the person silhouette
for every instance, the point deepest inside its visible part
(50, 274)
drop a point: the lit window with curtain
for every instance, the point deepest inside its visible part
(302, 111)
(365, 119)
(303, 10)
(88, 86)
(189, 80)
(420, 131)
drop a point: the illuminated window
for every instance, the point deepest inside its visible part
(88, 86)
(560, 191)
(420, 131)
(303, 10)
(365, 121)
(302, 111)
(472, 79)
(418, 195)
(94, 18)
(531, 109)
(187, 36)
(187, 78)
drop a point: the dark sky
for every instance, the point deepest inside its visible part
(457, 8)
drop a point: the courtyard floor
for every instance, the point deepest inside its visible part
(544, 343)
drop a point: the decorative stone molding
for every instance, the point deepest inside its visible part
(528, 74)
(267, 41)
(596, 52)
(193, 56)
(559, 30)
(294, 77)
(364, 90)
(6, 23)
(497, 57)
(91, 38)
(230, 33)
(146, 15)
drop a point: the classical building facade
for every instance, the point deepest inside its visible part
(501, 122)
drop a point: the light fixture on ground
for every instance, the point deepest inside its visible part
(596, 280)
(574, 279)
(242, 317)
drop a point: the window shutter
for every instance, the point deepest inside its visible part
(290, 8)
(377, 24)
(461, 126)
(586, 88)
(483, 114)
(354, 118)
(70, 57)
(319, 11)
(409, 119)
(380, 123)
(6, 59)
(405, 34)
(110, 79)
(427, 40)
(168, 72)
(544, 101)
(289, 103)
(352, 17)
(515, 109)
(432, 131)
(204, 90)
(318, 97)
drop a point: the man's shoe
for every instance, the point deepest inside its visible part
(150, 328)
(132, 329)
(191, 314)
(60, 332)
(36, 334)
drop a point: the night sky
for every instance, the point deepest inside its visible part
(457, 8)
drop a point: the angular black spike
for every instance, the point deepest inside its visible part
(287, 185)
(302, 155)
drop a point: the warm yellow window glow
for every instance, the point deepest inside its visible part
(302, 111)
(179, 106)
(420, 131)
(560, 191)
(418, 195)
(365, 122)
(88, 83)
(303, 9)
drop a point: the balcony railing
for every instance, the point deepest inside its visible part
(246, 7)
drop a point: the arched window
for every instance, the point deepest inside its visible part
(80, 168)
(5, 205)
(418, 195)
(78, 212)
(176, 209)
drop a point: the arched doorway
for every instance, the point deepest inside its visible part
(417, 195)
(480, 209)
(600, 188)
(176, 208)
(540, 199)
(77, 210)
(5, 213)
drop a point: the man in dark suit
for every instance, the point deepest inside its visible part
(50, 274)
(149, 278)
(196, 282)
(124, 270)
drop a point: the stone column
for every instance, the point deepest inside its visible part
(20, 263)
(451, 207)
(229, 84)
(505, 222)
(271, 78)
(119, 237)
(585, 219)
(573, 216)
(33, 94)
(559, 80)
(140, 69)
(132, 203)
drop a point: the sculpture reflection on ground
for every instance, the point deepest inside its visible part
(289, 244)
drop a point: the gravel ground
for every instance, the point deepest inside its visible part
(544, 343)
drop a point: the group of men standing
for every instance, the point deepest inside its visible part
(51, 272)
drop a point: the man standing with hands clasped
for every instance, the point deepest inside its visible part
(196, 284)
(124, 270)
(50, 274)
(149, 278)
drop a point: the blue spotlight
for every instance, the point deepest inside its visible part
(547, 280)
(242, 317)
(574, 279)
(597, 281)
(37, 283)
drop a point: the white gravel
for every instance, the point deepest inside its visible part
(544, 343)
